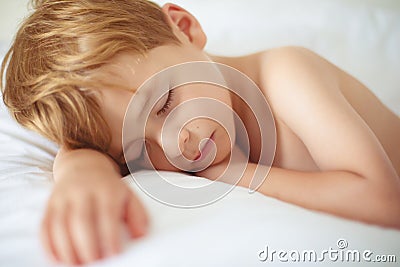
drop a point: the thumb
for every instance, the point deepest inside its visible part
(136, 216)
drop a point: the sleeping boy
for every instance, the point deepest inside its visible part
(75, 65)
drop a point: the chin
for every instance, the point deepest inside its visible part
(221, 156)
(224, 146)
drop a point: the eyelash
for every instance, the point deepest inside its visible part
(167, 104)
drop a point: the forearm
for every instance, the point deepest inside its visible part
(337, 192)
(81, 161)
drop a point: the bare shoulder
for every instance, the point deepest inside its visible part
(292, 62)
(290, 54)
(303, 90)
(290, 70)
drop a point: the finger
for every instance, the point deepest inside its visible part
(61, 236)
(45, 237)
(136, 216)
(108, 216)
(83, 231)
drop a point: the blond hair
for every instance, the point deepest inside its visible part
(46, 86)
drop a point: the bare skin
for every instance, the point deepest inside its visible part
(336, 146)
(308, 170)
(291, 152)
(87, 208)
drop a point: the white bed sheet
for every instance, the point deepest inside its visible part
(362, 38)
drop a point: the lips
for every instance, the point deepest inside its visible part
(206, 149)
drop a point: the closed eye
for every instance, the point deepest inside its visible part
(167, 104)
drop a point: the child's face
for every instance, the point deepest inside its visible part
(129, 70)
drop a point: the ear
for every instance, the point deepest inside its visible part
(181, 21)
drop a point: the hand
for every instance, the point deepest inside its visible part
(82, 222)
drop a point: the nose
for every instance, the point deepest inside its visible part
(183, 138)
(187, 144)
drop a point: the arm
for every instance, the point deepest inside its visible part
(84, 212)
(357, 179)
(341, 193)
(82, 160)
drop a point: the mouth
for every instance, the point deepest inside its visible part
(206, 149)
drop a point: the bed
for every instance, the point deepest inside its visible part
(242, 229)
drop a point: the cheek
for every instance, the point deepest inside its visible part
(221, 94)
(224, 140)
(198, 89)
(116, 146)
(157, 160)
